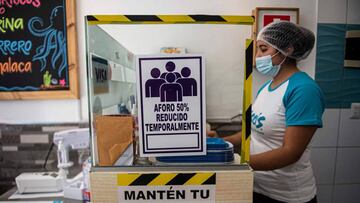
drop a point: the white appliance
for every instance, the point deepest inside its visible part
(37, 182)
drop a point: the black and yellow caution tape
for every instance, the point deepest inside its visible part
(163, 179)
(247, 99)
(169, 19)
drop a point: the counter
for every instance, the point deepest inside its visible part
(6, 195)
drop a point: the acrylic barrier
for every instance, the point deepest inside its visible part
(155, 83)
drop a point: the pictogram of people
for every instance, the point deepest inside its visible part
(152, 86)
(170, 86)
(189, 85)
(171, 91)
(170, 67)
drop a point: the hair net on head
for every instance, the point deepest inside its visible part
(290, 39)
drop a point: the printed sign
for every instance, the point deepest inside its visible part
(167, 187)
(352, 49)
(100, 74)
(274, 18)
(172, 105)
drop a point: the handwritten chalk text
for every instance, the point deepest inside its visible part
(12, 47)
(11, 24)
(15, 67)
(11, 3)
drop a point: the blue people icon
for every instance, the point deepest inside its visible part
(189, 85)
(152, 86)
(170, 67)
(170, 91)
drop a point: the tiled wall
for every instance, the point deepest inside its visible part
(336, 147)
(23, 148)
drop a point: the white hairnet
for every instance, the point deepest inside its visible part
(288, 38)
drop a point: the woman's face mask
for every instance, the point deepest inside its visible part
(265, 66)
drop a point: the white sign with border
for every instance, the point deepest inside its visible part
(171, 92)
(167, 194)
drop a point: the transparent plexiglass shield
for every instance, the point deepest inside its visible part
(165, 94)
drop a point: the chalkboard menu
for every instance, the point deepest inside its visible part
(34, 48)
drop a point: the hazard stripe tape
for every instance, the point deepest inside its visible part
(198, 179)
(162, 179)
(211, 180)
(181, 179)
(144, 179)
(169, 19)
(247, 99)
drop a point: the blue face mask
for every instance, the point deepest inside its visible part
(265, 66)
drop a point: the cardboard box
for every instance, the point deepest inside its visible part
(114, 133)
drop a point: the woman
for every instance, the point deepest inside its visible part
(285, 115)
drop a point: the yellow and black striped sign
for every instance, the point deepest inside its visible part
(247, 99)
(169, 19)
(164, 179)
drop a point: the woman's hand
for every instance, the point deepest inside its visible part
(234, 139)
(211, 133)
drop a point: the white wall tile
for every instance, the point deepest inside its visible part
(323, 162)
(353, 15)
(327, 135)
(349, 134)
(347, 166)
(347, 193)
(41, 162)
(332, 11)
(34, 138)
(324, 193)
(9, 148)
(58, 128)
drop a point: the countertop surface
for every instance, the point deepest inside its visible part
(6, 195)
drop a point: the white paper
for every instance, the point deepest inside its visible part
(167, 194)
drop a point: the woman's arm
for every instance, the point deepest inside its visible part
(296, 140)
(234, 139)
